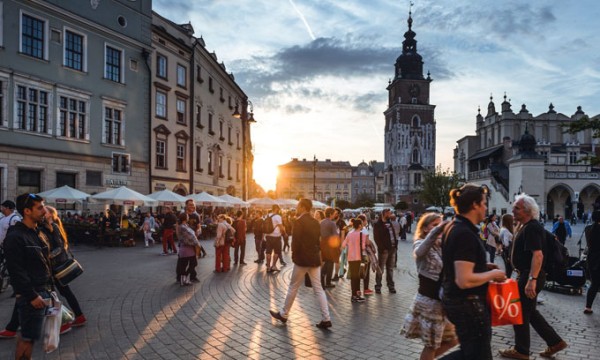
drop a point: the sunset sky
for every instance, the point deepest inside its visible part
(317, 71)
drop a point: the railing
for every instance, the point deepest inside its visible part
(481, 174)
(499, 187)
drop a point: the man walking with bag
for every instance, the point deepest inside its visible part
(29, 268)
(527, 258)
(307, 260)
(387, 243)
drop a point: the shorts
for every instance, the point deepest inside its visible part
(30, 318)
(273, 245)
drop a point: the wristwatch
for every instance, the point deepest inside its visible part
(532, 278)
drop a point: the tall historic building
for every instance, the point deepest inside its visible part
(409, 125)
(515, 153)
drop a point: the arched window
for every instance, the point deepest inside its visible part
(416, 122)
(415, 156)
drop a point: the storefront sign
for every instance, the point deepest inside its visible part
(116, 182)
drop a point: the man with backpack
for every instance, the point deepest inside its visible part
(527, 258)
(273, 228)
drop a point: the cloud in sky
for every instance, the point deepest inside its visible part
(319, 69)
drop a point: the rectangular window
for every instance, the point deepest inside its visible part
(63, 179)
(210, 124)
(74, 50)
(237, 172)
(113, 126)
(210, 85)
(32, 109)
(238, 141)
(181, 106)
(72, 118)
(29, 181)
(417, 179)
(161, 66)
(229, 136)
(199, 74)
(120, 163)
(572, 157)
(229, 169)
(221, 166)
(161, 104)
(2, 116)
(160, 154)
(113, 65)
(210, 163)
(199, 117)
(199, 158)
(93, 178)
(221, 95)
(33, 36)
(180, 157)
(181, 75)
(221, 131)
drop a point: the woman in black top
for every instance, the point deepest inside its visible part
(593, 260)
(466, 274)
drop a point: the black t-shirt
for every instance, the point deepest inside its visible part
(194, 221)
(462, 243)
(530, 238)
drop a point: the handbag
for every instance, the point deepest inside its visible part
(67, 271)
(364, 262)
(505, 303)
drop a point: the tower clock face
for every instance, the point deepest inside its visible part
(414, 90)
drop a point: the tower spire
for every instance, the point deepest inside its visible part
(410, 16)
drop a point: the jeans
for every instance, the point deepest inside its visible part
(240, 248)
(471, 317)
(533, 317)
(297, 280)
(492, 251)
(326, 272)
(593, 290)
(260, 249)
(354, 277)
(386, 263)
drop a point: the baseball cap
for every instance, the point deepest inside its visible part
(9, 204)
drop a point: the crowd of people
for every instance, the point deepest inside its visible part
(455, 261)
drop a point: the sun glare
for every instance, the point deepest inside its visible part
(265, 173)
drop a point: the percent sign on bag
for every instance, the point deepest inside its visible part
(505, 306)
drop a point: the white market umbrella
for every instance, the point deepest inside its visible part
(64, 194)
(287, 203)
(167, 198)
(318, 205)
(124, 196)
(207, 199)
(234, 201)
(434, 209)
(265, 202)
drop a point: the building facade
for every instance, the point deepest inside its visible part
(367, 181)
(305, 178)
(409, 125)
(515, 153)
(74, 95)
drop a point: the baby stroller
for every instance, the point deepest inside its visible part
(569, 280)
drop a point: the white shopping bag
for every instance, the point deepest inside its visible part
(52, 324)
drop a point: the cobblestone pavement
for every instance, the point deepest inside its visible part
(135, 310)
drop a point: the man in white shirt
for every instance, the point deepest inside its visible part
(274, 238)
(11, 217)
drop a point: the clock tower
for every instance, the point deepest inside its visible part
(409, 125)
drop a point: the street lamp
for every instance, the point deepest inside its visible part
(247, 117)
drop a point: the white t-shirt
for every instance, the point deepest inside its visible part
(276, 221)
(505, 236)
(7, 222)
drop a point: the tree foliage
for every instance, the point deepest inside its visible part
(585, 123)
(437, 185)
(401, 205)
(343, 204)
(364, 200)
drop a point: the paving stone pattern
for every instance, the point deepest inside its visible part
(135, 310)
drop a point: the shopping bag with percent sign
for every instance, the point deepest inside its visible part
(505, 303)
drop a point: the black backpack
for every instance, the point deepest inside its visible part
(267, 225)
(556, 255)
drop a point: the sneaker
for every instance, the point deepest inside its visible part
(195, 280)
(164, 254)
(277, 315)
(368, 292)
(274, 269)
(324, 325)
(7, 334)
(358, 299)
(65, 328)
(586, 311)
(551, 350)
(79, 321)
(258, 261)
(377, 291)
(513, 354)
(392, 291)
